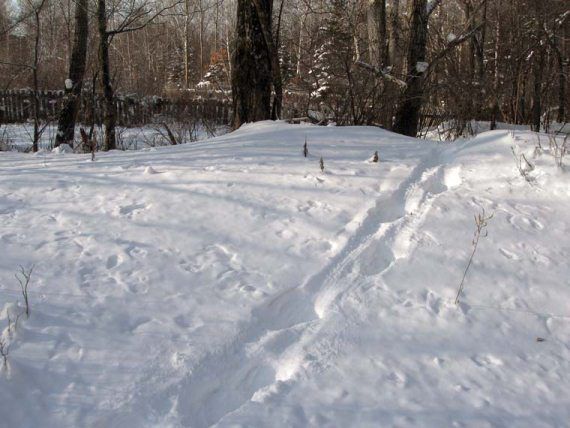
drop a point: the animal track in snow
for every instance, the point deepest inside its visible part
(524, 223)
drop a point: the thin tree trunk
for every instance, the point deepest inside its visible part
(480, 51)
(68, 114)
(110, 116)
(496, 108)
(36, 100)
(201, 39)
(538, 69)
(187, 44)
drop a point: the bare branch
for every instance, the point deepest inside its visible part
(381, 73)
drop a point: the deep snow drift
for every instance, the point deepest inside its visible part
(231, 283)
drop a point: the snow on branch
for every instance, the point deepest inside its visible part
(454, 43)
(382, 73)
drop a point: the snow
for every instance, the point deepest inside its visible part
(231, 283)
(62, 148)
(421, 67)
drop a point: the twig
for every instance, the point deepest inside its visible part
(481, 222)
(23, 278)
(4, 351)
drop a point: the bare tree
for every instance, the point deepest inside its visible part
(136, 17)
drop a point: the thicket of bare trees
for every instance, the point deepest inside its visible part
(401, 64)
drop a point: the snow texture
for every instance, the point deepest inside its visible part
(230, 283)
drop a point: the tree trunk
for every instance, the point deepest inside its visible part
(538, 69)
(187, 44)
(110, 115)
(481, 40)
(251, 65)
(36, 101)
(496, 71)
(77, 63)
(561, 77)
(408, 113)
(394, 36)
(561, 90)
(378, 33)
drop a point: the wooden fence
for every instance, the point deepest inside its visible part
(16, 106)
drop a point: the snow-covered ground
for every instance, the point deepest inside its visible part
(231, 283)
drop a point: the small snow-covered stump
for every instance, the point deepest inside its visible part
(375, 158)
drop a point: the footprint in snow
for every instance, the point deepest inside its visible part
(487, 360)
(286, 234)
(509, 254)
(112, 261)
(520, 222)
(131, 209)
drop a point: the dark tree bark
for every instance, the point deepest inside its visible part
(36, 100)
(555, 40)
(395, 35)
(264, 13)
(77, 63)
(496, 71)
(561, 87)
(252, 71)
(481, 39)
(110, 115)
(379, 34)
(538, 67)
(408, 113)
